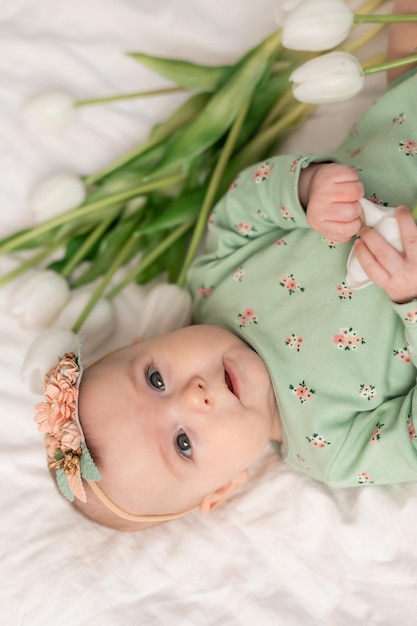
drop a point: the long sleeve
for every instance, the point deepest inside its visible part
(261, 205)
(341, 361)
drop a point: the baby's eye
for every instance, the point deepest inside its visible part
(154, 379)
(183, 445)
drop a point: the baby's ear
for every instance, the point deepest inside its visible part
(218, 496)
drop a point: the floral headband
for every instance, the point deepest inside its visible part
(57, 418)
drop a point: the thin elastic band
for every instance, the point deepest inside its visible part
(117, 510)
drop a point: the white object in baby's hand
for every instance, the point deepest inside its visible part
(383, 220)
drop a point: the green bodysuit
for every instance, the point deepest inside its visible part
(342, 362)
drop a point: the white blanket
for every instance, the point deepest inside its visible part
(285, 550)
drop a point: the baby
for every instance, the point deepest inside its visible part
(283, 349)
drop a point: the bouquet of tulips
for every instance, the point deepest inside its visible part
(147, 210)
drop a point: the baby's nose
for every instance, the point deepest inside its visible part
(196, 396)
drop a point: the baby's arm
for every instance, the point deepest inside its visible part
(395, 272)
(330, 194)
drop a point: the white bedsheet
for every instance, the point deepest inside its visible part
(285, 550)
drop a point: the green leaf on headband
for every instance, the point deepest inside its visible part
(89, 470)
(63, 485)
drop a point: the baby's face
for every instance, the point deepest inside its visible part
(175, 417)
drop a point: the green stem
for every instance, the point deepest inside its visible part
(254, 150)
(277, 109)
(414, 213)
(129, 96)
(375, 59)
(125, 158)
(212, 190)
(96, 295)
(26, 265)
(385, 18)
(150, 258)
(93, 237)
(389, 65)
(156, 138)
(86, 210)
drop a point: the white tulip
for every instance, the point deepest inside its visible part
(316, 25)
(328, 78)
(167, 307)
(55, 195)
(38, 298)
(44, 352)
(383, 220)
(48, 111)
(99, 324)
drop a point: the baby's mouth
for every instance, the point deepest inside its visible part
(228, 381)
(231, 382)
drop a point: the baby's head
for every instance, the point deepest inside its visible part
(173, 423)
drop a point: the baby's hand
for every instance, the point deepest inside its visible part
(331, 193)
(395, 272)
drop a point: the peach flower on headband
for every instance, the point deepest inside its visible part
(60, 396)
(57, 419)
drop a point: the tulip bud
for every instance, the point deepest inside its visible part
(99, 324)
(44, 352)
(316, 25)
(167, 307)
(48, 111)
(38, 298)
(55, 195)
(328, 78)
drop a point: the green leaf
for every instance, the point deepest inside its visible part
(30, 242)
(110, 245)
(221, 110)
(70, 250)
(264, 99)
(184, 209)
(119, 181)
(182, 73)
(145, 151)
(89, 469)
(63, 485)
(175, 257)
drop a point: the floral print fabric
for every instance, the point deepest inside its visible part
(341, 361)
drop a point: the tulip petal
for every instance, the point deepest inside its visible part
(44, 352)
(55, 195)
(331, 77)
(38, 299)
(48, 111)
(316, 25)
(99, 324)
(167, 307)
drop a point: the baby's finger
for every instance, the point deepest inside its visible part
(382, 250)
(371, 266)
(342, 173)
(339, 231)
(345, 212)
(408, 232)
(350, 191)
